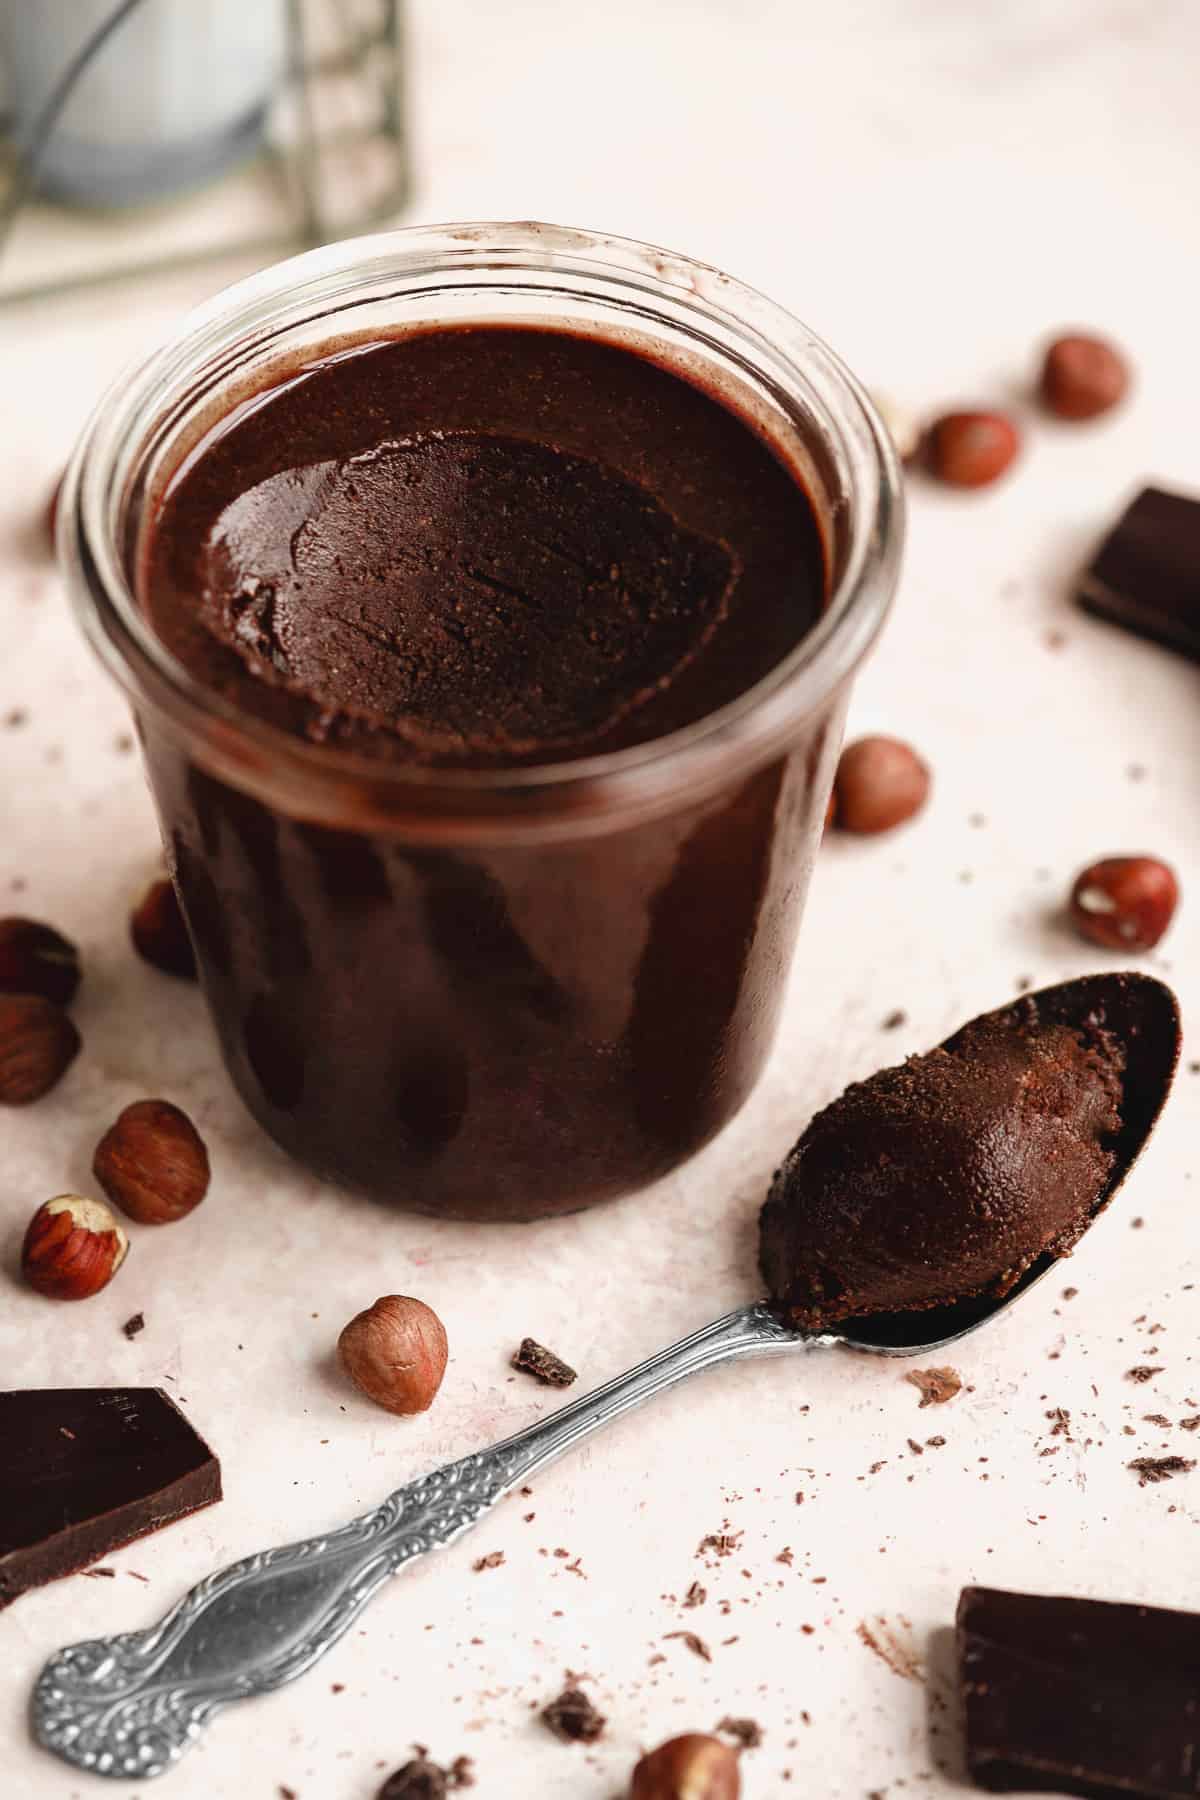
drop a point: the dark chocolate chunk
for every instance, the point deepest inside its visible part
(1146, 574)
(1079, 1696)
(534, 1359)
(133, 1325)
(573, 1718)
(85, 1470)
(421, 1779)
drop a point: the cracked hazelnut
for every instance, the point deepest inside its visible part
(395, 1353)
(1083, 377)
(971, 449)
(159, 934)
(38, 1043)
(880, 783)
(1124, 902)
(73, 1248)
(692, 1767)
(36, 959)
(152, 1163)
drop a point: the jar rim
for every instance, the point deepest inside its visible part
(282, 768)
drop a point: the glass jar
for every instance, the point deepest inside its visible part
(498, 993)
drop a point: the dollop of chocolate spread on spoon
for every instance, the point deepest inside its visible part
(949, 1176)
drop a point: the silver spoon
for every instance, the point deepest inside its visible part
(131, 1704)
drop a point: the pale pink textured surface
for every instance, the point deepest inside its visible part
(933, 194)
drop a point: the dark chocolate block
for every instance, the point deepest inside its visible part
(85, 1470)
(1146, 574)
(1079, 1696)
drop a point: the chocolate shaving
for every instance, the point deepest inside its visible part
(696, 1595)
(748, 1732)
(695, 1644)
(573, 1718)
(534, 1359)
(421, 1779)
(936, 1385)
(492, 1560)
(1144, 1372)
(1149, 1469)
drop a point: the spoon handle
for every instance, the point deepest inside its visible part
(131, 1704)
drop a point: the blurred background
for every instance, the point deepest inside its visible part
(877, 165)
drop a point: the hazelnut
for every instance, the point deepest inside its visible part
(1083, 377)
(73, 1248)
(36, 959)
(971, 449)
(38, 1043)
(1124, 902)
(880, 783)
(692, 1767)
(159, 934)
(152, 1163)
(395, 1352)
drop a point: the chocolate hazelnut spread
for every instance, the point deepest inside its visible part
(483, 546)
(477, 548)
(947, 1176)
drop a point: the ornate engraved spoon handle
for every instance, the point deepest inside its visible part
(130, 1705)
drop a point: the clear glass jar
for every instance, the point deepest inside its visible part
(500, 993)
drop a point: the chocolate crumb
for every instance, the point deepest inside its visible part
(1159, 1468)
(534, 1359)
(109, 1574)
(917, 1449)
(1192, 1424)
(1060, 1419)
(894, 1020)
(15, 717)
(1069, 1293)
(934, 1443)
(748, 1732)
(696, 1595)
(1157, 1419)
(786, 1558)
(1143, 1372)
(573, 1718)
(492, 1560)
(1136, 1224)
(695, 1644)
(133, 1325)
(287, 1793)
(722, 1543)
(936, 1385)
(421, 1779)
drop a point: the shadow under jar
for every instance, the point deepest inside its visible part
(493, 877)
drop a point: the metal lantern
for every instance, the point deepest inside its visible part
(152, 133)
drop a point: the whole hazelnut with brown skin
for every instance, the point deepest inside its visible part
(38, 1043)
(159, 934)
(73, 1248)
(395, 1353)
(36, 959)
(1083, 377)
(1124, 902)
(880, 783)
(971, 449)
(152, 1163)
(692, 1767)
